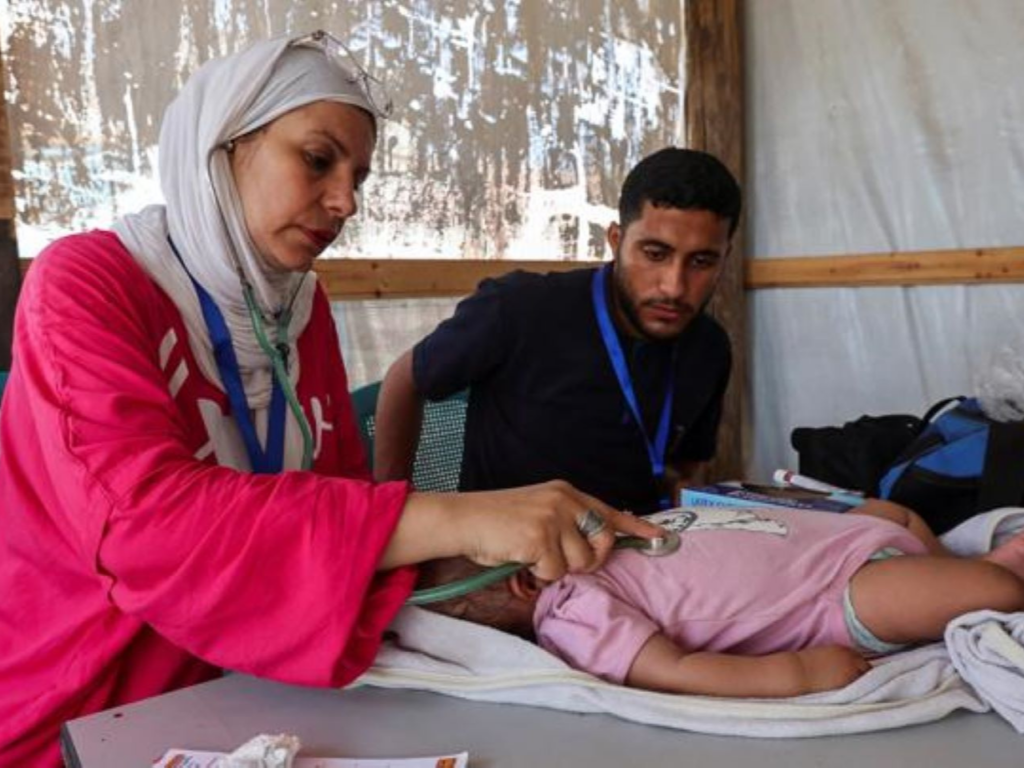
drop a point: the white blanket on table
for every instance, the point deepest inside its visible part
(444, 655)
(987, 649)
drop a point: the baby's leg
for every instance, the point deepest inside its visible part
(1010, 555)
(904, 516)
(911, 598)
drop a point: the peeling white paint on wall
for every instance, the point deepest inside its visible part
(515, 121)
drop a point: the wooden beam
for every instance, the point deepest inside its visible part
(347, 279)
(714, 123)
(10, 274)
(405, 278)
(971, 265)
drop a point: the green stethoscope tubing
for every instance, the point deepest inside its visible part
(497, 573)
(280, 372)
(422, 596)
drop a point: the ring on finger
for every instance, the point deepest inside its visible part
(590, 523)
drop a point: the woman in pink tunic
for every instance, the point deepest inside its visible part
(169, 507)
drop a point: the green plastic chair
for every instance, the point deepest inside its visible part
(439, 455)
(3, 383)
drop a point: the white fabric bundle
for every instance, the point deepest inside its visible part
(987, 649)
(1001, 387)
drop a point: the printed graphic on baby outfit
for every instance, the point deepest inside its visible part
(675, 520)
(718, 519)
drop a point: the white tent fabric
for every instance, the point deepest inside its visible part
(878, 126)
(875, 126)
(374, 332)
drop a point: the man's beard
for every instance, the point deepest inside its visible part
(628, 307)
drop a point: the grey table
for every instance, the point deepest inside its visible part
(369, 722)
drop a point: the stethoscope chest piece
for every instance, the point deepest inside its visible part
(661, 545)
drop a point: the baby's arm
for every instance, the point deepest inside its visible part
(662, 665)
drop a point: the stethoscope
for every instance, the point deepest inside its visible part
(656, 450)
(281, 377)
(656, 547)
(271, 459)
(267, 460)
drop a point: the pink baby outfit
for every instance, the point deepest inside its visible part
(752, 581)
(132, 564)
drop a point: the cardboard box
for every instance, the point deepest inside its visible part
(749, 495)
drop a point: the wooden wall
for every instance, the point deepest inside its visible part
(714, 120)
(10, 276)
(714, 123)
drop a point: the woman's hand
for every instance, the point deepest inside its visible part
(537, 525)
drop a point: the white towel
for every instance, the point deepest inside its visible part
(445, 655)
(987, 649)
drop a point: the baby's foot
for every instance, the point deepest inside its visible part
(1010, 555)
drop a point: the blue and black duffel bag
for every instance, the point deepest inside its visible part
(961, 464)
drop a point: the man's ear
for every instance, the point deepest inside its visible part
(614, 236)
(524, 585)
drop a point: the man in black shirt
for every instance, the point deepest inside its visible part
(611, 378)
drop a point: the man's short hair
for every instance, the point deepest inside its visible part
(687, 179)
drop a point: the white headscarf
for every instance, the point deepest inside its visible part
(224, 99)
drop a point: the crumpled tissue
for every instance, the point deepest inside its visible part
(264, 751)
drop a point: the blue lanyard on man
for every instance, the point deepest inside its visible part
(655, 450)
(263, 461)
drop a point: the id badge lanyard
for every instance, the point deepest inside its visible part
(656, 449)
(263, 461)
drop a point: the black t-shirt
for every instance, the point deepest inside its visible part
(544, 401)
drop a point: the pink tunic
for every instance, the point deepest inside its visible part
(130, 563)
(750, 581)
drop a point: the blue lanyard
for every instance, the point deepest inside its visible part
(266, 461)
(655, 450)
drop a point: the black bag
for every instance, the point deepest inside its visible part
(961, 464)
(856, 454)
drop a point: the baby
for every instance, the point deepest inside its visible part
(755, 603)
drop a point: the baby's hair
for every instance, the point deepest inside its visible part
(490, 606)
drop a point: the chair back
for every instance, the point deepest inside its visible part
(439, 455)
(3, 383)
(364, 403)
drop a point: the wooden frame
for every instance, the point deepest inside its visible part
(415, 278)
(351, 279)
(10, 275)
(714, 123)
(714, 119)
(347, 279)
(970, 265)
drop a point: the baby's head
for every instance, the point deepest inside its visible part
(506, 605)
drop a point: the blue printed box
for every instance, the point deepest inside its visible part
(739, 495)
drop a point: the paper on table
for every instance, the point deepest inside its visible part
(181, 758)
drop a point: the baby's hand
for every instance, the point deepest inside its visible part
(829, 667)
